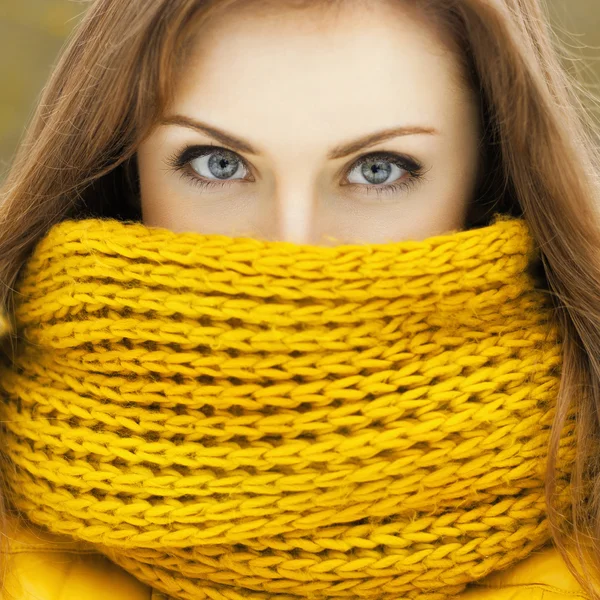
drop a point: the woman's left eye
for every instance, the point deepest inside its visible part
(208, 166)
(378, 168)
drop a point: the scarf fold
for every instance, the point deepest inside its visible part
(232, 418)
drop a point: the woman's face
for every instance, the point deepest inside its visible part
(315, 128)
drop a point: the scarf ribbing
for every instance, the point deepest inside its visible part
(233, 418)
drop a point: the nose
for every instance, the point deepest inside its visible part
(294, 219)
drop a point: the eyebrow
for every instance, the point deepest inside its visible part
(336, 152)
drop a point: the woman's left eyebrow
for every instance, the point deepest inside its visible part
(336, 152)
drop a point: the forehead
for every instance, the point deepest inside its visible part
(304, 64)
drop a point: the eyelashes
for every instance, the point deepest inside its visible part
(180, 162)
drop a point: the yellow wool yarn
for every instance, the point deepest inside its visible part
(233, 418)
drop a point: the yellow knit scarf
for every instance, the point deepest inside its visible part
(232, 418)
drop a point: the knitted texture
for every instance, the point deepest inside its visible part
(232, 418)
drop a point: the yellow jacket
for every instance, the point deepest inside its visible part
(41, 566)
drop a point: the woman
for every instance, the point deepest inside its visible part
(388, 388)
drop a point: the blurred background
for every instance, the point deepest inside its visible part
(32, 33)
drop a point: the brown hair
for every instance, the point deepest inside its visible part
(112, 84)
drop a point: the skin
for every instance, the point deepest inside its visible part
(295, 85)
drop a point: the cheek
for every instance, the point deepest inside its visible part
(153, 187)
(450, 187)
(459, 163)
(467, 147)
(148, 171)
(159, 187)
(151, 165)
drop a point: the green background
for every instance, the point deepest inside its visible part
(32, 33)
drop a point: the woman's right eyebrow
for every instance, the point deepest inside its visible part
(336, 152)
(214, 132)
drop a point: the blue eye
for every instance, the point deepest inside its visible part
(199, 163)
(213, 166)
(220, 163)
(380, 167)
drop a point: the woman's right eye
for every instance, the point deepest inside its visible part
(208, 164)
(221, 164)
